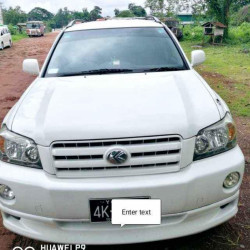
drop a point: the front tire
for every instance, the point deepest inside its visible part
(10, 42)
(1, 46)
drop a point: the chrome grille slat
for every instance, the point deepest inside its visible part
(99, 163)
(88, 158)
(114, 142)
(102, 150)
(137, 154)
(122, 167)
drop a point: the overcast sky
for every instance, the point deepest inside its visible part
(108, 6)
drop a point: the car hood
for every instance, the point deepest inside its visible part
(115, 106)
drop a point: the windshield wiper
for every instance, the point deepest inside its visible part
(164, 69)
(96, 72)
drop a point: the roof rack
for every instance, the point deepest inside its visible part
(152, 18)
(73, 22)
(156, 19)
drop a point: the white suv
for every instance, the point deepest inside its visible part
(5, 37)
(117, 111)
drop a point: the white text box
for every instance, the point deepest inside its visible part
(136, 212)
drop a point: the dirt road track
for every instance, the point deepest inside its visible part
(12, 80)
(232, 235)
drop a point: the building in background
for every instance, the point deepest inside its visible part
(214, 29)
(186, 18)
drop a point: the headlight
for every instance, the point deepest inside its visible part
(18, 150)
(215, 139)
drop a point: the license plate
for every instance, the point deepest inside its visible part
(100, 210)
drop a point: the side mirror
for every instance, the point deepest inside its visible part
(31, 66)
(197, 57)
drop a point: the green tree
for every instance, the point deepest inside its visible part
(157, 7)
(39, 14)
(239, 4)
(221, 10)
(137, 10)
(77, 15)
(51, 24)
(198, 9)
(62, 17)
(162, 8)
(82, 15)
(14, 15)
(125, 13)
(85, 14)
(95, 13)
(117, 12)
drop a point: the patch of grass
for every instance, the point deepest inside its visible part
(18, 37)
(227, 70)
(237, 97)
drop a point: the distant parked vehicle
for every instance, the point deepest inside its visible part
(5, 37)
(173, 26)
(35, 28)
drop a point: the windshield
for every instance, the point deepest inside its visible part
(33, 26)
(114, 51)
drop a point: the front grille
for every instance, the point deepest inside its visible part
(89, 158)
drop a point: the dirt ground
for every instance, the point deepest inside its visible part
(234, 234)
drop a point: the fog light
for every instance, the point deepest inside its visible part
(6, 192)
(231, 180)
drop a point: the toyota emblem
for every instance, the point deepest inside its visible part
(117, 157)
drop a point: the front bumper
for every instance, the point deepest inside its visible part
(34, 33)
(57, 210)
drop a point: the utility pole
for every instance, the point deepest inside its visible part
(1, 14)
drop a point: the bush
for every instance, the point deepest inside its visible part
(239, 34)
(192, 33)
(125, 13)
(12, 29)
(50, 25)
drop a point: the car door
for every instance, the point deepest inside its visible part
(8, 37)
